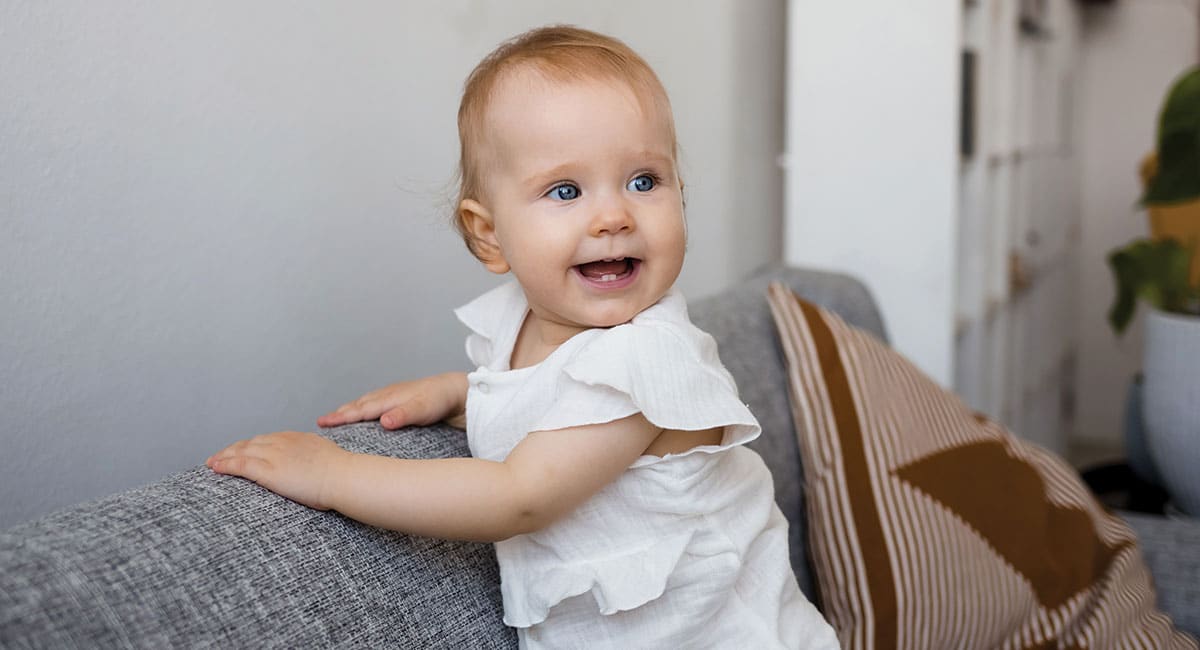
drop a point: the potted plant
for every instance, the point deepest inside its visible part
(1164, 271)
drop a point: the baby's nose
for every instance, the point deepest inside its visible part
(611, 219)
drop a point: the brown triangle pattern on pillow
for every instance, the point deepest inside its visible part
(933, 527)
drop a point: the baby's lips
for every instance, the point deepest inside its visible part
(607, 258)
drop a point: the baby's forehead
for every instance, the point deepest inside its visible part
(583, 121)
(527, 76)
(515, 88)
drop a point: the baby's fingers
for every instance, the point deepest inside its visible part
(333, 419)
(344, 414)
(238, 459)
(419, 410)
(247, 467)
(228, 452)
(356, 411)
(394, 419)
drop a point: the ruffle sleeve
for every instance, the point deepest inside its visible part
(490, 317)
(668, 372)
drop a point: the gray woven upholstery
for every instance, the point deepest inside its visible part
(203, 560)
(1172, 550)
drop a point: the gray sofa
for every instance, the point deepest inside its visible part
(202, 560)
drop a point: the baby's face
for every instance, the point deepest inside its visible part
(585, 197)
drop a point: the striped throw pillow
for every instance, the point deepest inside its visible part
(933, 527)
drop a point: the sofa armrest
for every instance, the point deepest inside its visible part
(200, 559)
(1171, 547)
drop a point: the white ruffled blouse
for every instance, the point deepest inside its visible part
(685, 550)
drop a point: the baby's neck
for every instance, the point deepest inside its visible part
(538, 338)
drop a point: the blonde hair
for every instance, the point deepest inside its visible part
(561, 53)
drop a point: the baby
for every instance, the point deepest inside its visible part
(609, 462)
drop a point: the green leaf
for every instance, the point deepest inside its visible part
(1155, 271)
(1125, 274)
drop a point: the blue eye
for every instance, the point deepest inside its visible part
(643, 183)
(564, 192)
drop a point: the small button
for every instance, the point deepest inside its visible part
(483, 387)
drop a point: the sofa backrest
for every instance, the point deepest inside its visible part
(201, 560)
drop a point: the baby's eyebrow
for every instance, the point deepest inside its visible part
(541, 178)
(656, 158)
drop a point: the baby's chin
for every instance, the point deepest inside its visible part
(605, 318)
(609, 322)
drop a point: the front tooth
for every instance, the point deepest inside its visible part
(608, 277)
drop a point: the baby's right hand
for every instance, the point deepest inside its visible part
(419, 402)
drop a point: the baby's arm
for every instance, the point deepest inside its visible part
(419, 402)
(546, 476)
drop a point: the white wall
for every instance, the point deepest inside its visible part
(227, 218)
(872, 158)
(1132, 50)
(1019, 222)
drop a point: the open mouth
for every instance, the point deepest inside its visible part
(613, 273)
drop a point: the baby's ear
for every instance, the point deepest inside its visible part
(477, 222)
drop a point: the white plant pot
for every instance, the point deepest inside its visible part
(1171, 404)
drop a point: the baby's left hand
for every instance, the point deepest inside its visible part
(293, 464)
